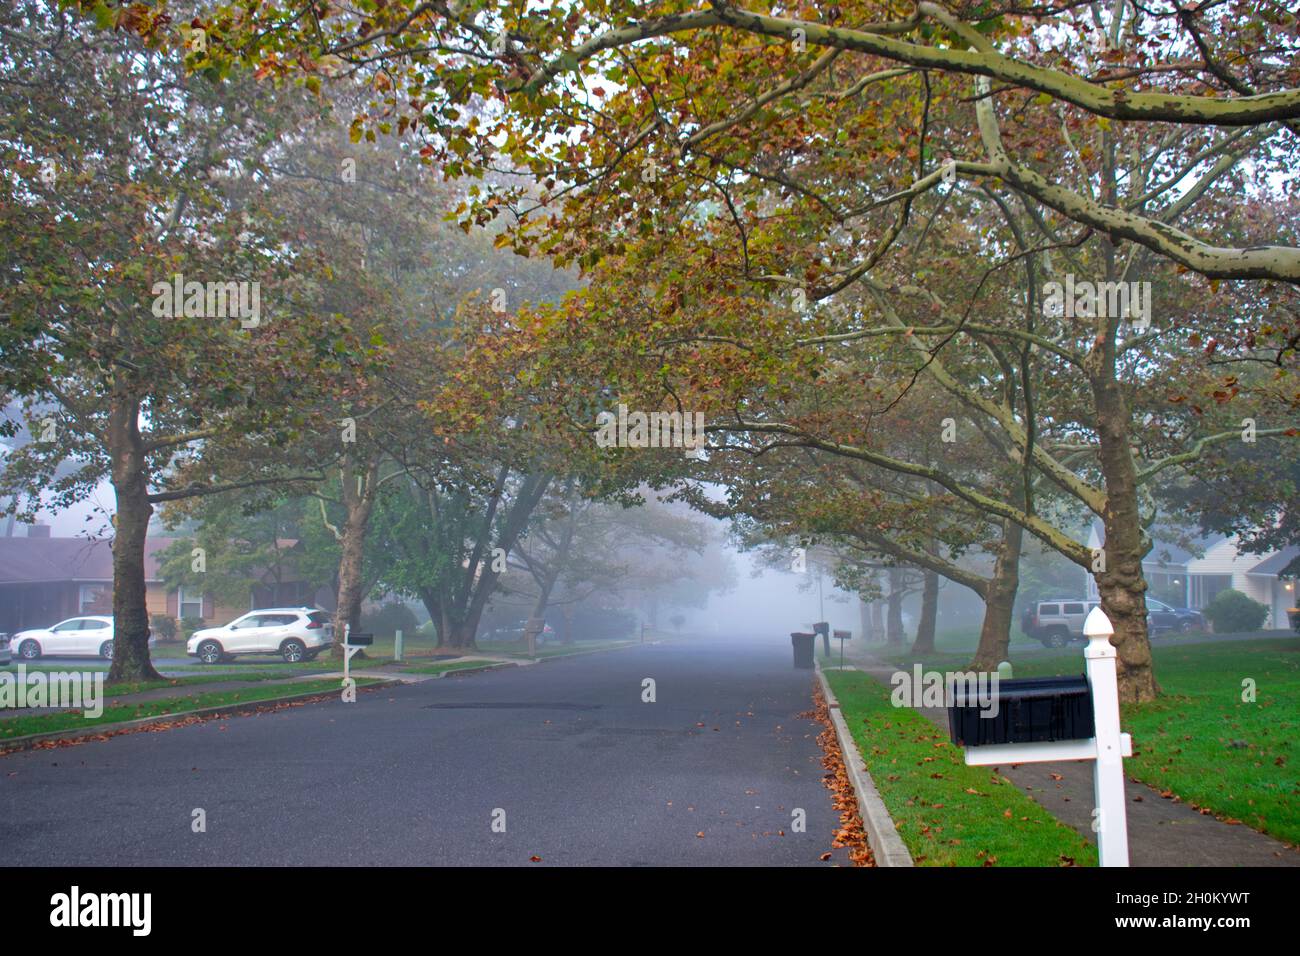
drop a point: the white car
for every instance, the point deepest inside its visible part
(90, 636)
(295, 633)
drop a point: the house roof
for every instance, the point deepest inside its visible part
(1165, 554)
(53, 560)
(1277, 563)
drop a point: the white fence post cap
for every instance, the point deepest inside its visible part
(1097, 624)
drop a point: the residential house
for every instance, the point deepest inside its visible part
(1183, 578)
(44, 580)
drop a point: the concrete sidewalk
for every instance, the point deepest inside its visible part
(1162, 831)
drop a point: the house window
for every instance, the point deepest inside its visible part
(94, 599)
(189, 604)
(1168, 586)
(1206, 586)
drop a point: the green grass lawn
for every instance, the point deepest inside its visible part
(1200, 741)
(448, 666)
(46, 723)
(215, 675)
(551, 649)
(947, 813)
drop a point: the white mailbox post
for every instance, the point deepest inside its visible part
(1107, 748)
(349, 649)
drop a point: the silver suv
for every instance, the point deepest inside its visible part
(1056, 623)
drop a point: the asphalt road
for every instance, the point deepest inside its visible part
(585, 772)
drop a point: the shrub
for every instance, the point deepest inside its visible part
(189, 625)
(388, 619)
(163, 627)
(1232, 611)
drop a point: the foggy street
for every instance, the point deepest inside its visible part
(565, 756)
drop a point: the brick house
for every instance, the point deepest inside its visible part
(44, 580)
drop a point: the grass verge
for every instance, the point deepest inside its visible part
(947, 813)
(444, 668)
(73, 720)
(1201, 742)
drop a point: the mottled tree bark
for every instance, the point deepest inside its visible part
(924, 641)
(1000, 600)
(131, 524)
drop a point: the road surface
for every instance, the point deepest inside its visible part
(565, 754)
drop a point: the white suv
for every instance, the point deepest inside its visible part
(295, 633)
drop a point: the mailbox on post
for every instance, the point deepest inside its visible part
(352, 643)
(1027, 711)
(1060, 718)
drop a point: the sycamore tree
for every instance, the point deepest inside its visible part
(792, 154)
(149, 307)
(587, 94)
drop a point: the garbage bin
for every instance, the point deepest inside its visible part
(803, 650)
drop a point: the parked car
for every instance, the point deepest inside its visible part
(6, 656)
(295, 633)
(90, 636)
(1056, 623)
(515, 632)
(1180, 620)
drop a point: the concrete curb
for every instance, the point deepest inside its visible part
(886, 845)
(29, 741)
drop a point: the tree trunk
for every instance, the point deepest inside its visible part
(877, 620)
(1000, 601)
(358, 495)
(1122, 584)
(924, 642)
(131, 520)
(460, 637)
(347, 613)
(864, 620)
(894, 633)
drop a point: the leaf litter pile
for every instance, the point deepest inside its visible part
(851, 833)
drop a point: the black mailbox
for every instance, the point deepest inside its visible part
(360, 640)
(1029, 710)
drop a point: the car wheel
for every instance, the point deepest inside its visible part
(106, 650)
(210, 652)
(1057, 639)
(1184, 627)
(293, 651)
(29, 650)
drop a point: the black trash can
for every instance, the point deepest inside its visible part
(803, 650)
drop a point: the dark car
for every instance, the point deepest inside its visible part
(1161, 618)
